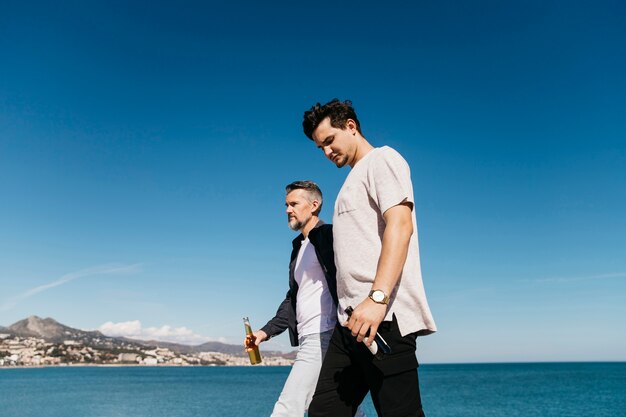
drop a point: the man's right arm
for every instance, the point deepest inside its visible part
(276, 325)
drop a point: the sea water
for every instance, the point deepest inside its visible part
(472, 390)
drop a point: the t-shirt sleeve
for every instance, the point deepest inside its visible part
(390, 180)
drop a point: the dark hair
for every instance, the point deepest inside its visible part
(309, 186)
(338, 111)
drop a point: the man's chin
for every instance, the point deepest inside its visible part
(295, 226)
(338, 161)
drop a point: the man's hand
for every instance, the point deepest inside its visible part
(365, 318)
(255, 339)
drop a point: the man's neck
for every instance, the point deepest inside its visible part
(309, 226)
(363, 147)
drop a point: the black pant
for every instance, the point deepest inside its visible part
(349, 371)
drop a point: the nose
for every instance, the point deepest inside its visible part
(327, 151)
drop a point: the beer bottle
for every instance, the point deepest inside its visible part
(251, 348)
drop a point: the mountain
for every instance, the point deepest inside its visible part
(234, 350)
(54, 332)
(47, 329)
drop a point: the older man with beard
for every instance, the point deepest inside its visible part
(309, 309)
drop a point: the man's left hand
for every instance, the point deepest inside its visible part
(365, 318)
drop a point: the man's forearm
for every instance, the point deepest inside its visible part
(395, 247)
(280, 321)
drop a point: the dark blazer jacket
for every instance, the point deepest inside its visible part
(321, 237)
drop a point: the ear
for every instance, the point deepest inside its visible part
(315, 205)
(351, 126)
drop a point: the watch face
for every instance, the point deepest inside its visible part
(378, 296)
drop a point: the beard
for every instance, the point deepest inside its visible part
(340, 162)
(297, 225)
(294, 224)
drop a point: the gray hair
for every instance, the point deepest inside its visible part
(313, 191)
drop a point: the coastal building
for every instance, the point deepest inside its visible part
(32, 351)
(129, 358)
(150, 361)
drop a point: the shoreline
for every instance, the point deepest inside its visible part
(130, 365)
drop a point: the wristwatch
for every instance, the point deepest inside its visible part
(379, 297)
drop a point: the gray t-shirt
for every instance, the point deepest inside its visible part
(379, 181)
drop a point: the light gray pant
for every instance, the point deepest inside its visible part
(300, 385)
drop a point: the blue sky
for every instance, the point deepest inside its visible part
(144, 150)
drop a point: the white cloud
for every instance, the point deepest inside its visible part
(110, 269)
(125, 329)
(134, 330)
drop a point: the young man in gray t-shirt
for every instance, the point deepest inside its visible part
(378, 273)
